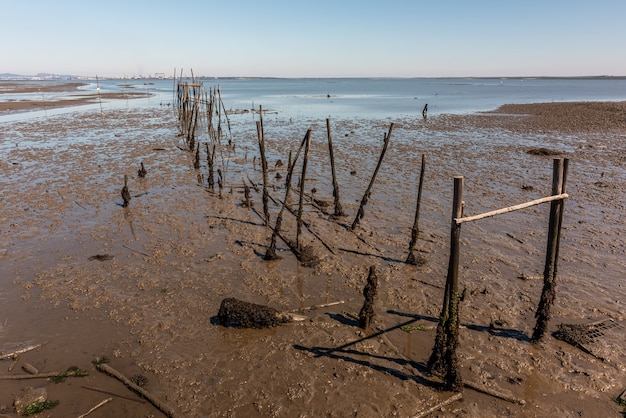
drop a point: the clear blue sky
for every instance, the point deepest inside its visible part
(314, 38)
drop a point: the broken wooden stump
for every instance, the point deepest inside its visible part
(142, 171)
(366, 315)
(125, 193)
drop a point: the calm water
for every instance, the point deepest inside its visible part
(358, 97)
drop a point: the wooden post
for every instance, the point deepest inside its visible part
(361, 211)
(559, 172)
(266, 212)
(338, 208)
(302, 180)
(444, 360)
(411, 259)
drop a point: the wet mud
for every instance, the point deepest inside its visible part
(87, 277)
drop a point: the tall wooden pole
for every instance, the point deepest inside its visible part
(411, 259)
(302, 180)
(338, 208)
(554, 234)
(444, 360)
(361, 211)
(266, 212)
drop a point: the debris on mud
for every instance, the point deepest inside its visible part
(101, 257)
(542, 151)
(239, 314)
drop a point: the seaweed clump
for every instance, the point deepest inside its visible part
(239, 314)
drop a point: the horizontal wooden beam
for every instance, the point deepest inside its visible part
(511, 208)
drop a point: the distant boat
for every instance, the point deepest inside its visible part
(148, 84)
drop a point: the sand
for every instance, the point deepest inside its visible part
(178, 249)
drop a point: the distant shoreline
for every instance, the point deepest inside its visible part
(15, 78)
(47, 87)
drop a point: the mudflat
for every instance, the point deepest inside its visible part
(142, 284)
(72, 96)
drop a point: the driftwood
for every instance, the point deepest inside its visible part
(107, 400)
(494, 393)
(43, 375)
(322, 305)
(451, 399)
(20, 351)
(105, 368)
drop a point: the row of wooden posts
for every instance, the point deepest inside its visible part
(443, 360)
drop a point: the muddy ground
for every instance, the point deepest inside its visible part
(150, 304)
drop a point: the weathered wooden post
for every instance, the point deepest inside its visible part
(302, 180)
(361, 212)
(366, 314)
(411, 259)
(125, 193)
(266, 212)
(338, 208)
(559, 179)
(443, 360)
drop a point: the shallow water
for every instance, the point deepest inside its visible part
(344, 98)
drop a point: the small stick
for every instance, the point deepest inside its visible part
(113, 394)
(514, 237)
(306, 224)
(80, 205)
(95, 407)
(20, 351)
(366, 196)
(105, 368)
(323, 305)
(440, 405)
(41, 375)
(495, 394)
(137, 251)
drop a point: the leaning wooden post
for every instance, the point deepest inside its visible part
(361, 212)
(411, 259)
(270, 254)
(443, 359)
(266, 212)
(554, 234)
(338, 208)
(302, 180)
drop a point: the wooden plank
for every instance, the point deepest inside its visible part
(511, 208)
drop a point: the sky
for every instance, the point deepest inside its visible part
(314, 38)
